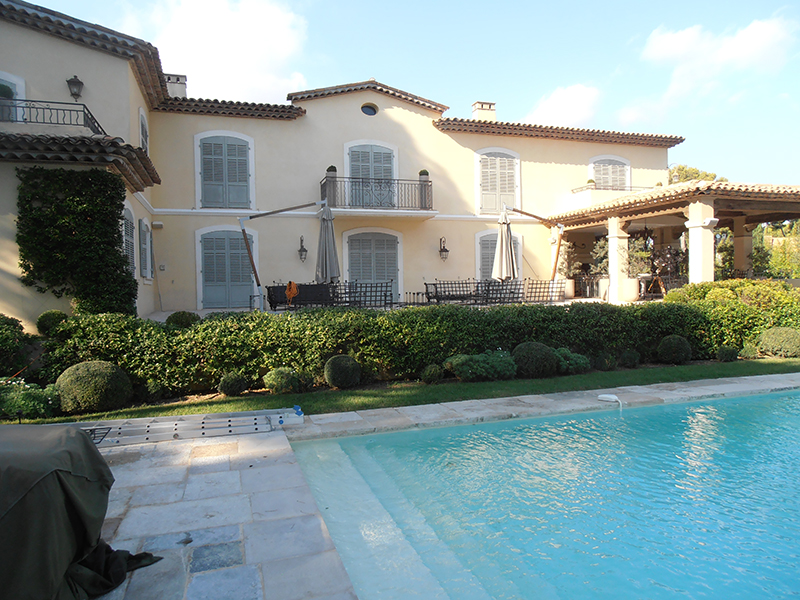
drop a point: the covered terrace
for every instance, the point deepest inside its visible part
(698, 207)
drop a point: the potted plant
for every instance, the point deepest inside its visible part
(569, 267)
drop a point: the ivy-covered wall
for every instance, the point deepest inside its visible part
(70, 240)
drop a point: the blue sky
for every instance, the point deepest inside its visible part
(724, 74)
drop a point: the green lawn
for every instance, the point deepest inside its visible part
(413, 393)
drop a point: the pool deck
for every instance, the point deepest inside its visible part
(233, 516)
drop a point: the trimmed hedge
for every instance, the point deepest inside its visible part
(780, 341)
(400, 344)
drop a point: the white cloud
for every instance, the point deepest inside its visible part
(229, 49)
(704, 64)
(572, 106)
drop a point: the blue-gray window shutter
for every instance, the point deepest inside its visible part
(144, 251)
(128, 236)
(225, 172)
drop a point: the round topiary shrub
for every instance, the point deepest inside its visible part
(535, 360)
(183, 319)
(342, 372)
(232, 384)
(674, 350)
(783, 342)
(48, 320)
(432, 374)
(93, 386)
(282, 380)
(727, 353)
(629, 359)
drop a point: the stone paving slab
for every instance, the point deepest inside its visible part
(233, 516)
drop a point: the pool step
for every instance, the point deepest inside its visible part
(457, 581)
(364, 533)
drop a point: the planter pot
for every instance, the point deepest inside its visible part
(569, 288)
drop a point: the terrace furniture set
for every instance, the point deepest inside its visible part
(490, 291)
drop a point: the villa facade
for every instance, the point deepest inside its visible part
(400, 177)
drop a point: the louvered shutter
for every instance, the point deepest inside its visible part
(371, 163)
(8, 108)
(128, 237)
(610, 174)
(241, 273)
(488, 246)
(144, 134)
(237, 178)
(215, 270)
(144, 250)
(498, 181)
(373, 258)
(213, 172)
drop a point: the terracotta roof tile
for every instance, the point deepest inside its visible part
(132, 163)
(146, 62)
(367, 85)
(558, 133)
(225, 108)
(680, 194)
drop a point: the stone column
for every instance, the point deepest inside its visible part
(617, 260)
(701, 226)
(742, 245)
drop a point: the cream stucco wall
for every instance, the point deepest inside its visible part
(290, 158)
(46, 62)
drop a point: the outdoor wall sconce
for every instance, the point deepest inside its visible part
(303, 252)
(443, 251)
(75, 87)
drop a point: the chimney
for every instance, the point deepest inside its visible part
(483, 111)
(176, 85)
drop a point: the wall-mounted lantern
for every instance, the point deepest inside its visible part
(75, 87)
(443, 251)
(302, 252)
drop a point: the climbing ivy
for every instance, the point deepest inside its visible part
(70, 239)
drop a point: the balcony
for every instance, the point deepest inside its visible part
(37, 116)
(361, 194)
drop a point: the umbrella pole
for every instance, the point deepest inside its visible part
(551, 224)
(260, 303)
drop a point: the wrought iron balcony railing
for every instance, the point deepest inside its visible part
(49, 113)
(399, 194)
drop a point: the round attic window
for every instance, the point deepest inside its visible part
(369, 109)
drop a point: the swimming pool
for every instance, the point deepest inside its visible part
(695, 500)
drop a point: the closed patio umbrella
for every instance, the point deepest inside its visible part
(327, 257)
(505, 263)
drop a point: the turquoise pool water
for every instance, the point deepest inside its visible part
(698, 500)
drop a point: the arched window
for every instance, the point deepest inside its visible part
(374, 255)
(225, 169)
(226, 275)
(144, 132)
(485, 249)
(145, 249)
(497, 179)
(610, 173)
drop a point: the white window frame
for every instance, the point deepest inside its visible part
(388, 146)
(198, 257)
(346, 254)
(198, 166)
(482, 234)
(145, 248)
(517, 176)
(625, 161)
(144, 144)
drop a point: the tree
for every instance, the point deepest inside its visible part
(681, 173)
